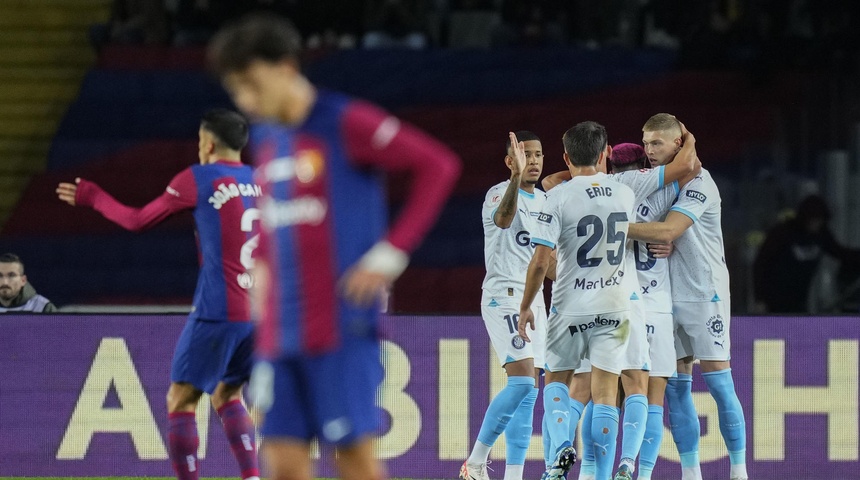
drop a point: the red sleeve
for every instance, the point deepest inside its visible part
(180, 194)
(375, 138)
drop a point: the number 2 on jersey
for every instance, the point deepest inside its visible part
(614, 257)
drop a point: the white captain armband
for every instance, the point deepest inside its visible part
(386, 259)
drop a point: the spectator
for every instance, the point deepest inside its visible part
(16, 295)
(790, 255)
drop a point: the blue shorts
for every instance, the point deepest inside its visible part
(330, 396)
(209, 352)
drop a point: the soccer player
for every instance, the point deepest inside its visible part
(700, 298)
(213, 354)
(586, 220)
(325, 254)
(635, 172)
(509, 213)
(643, 405)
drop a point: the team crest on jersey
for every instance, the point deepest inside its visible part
(518, 342)
(697, 195)
(716, 325)
(245, 280)
(496, 199)
(309, 165)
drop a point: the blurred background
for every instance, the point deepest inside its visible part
(113, 91)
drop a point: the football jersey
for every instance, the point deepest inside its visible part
(508, 251)
(222, 196)
(586, 220)
(226, 235)
(698, 265)
(653, 273)
(643, 182)
(324, 206)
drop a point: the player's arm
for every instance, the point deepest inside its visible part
(378, 140)
(538, 268)
(686, 164)
(667, 231)
(553, 264)
(181, 194)
(507, 209)
(555, 179)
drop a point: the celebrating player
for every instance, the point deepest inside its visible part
(325, 254)
(586, 221)
(509, 212)
(701, 303)
(213, 354)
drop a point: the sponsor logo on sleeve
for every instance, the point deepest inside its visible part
(697, 195)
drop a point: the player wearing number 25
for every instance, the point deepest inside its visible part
(213, 354)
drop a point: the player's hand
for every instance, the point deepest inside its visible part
(686, 135)
(362, 287)
(66, 191)
(518, 163)
(661, 250)
(527, 318)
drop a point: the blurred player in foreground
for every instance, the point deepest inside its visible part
(326, 254)
(509, 214)
(213, 354)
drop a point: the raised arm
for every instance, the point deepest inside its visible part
(667, 231)
(181, 194)
(507, 209)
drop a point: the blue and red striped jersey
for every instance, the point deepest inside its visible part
(222, 196)
(226, 236)
(324, 206)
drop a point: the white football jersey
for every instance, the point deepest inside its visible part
(586, 220)
(698, 265)
(508, 251)
(643, 182)
(655, 288)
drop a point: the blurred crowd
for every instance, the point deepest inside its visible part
(707, 33)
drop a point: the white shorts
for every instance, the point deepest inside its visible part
(637, 356)
(702, 330)
(661, 344)
(600, 338)
(501, 316)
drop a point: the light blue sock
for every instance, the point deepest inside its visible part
(683, 419)
(731, 414)
(576, 408)
(633, 425)
(604, 435)
(518, 435)
(556, 408)
(587, 465)
(502, 408)
(547, 448)
(651, 443)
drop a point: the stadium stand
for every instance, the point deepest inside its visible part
(136, 117)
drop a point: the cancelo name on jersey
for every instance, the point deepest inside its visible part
(226, 192)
